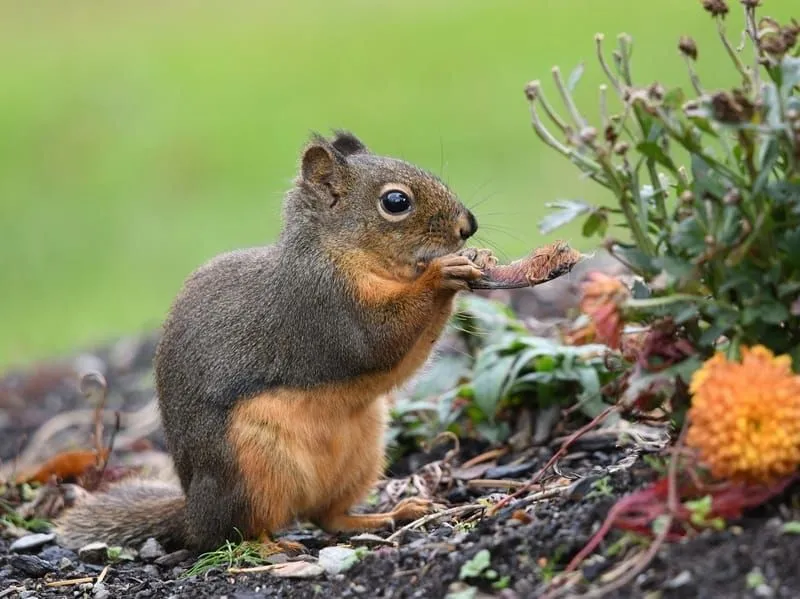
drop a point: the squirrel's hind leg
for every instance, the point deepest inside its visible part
(339, 520)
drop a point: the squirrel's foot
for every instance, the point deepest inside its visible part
(456, 271)
(411, 509)
(482, 258)
(269, 547)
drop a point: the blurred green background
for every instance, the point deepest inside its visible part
(139, 139)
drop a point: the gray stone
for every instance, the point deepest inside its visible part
(30, 542)
(152, 571)
(30, 565)
(94, 553)
(151, 550)
(337, 559)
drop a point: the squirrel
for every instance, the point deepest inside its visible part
(274, 362)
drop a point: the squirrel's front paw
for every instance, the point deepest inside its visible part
(481, 258)
(457, 271)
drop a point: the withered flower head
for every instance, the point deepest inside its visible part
(602, 301)
(688, 47)
(745, 416)
(751, 3)
(732, 107)
(717, 8)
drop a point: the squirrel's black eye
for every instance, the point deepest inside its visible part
(395, 202)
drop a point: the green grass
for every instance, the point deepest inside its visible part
(139, 139)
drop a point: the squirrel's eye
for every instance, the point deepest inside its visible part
(395, 204)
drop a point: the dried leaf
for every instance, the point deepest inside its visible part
(65, 465)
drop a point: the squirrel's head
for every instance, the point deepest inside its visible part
(353, 200)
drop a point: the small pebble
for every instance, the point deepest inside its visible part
(29, 542)
(30, 565)
(65, 564)
(682, 579)
(337, 559)
(151, 570)
(94, 553)
(151, 550)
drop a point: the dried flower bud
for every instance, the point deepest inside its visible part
(789, 34)
(751, 3)
(621, 148)
(717, 8)
(732, 198)
(685, 213)
(687, 197)
(773, 44)
(532, 90)
(610, 134)
(793, 114)
(710, 241)
(732, 108)
(656, 91)
(769, 24)
(588, 135)
(688, 47)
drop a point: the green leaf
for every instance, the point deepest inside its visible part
(473, 567)
(636, 258)
(567, 211)
(596, 223)
(653, 151)
(674, 98)
(488, 384)
(791, 528)
(790, 74)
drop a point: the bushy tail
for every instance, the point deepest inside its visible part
(127, 514)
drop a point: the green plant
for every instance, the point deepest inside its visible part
(242, 554)
(699, 510)
(705, 182)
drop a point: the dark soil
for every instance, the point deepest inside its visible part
(528, 541)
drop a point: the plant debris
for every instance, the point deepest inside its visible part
(543, 264)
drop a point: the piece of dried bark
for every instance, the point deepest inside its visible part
(543, 264)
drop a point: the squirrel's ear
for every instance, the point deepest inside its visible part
(323, 167)
(347, 143)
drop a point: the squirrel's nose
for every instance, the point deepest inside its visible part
(467, 225)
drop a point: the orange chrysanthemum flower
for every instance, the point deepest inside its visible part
(602, 299)
(745, 416)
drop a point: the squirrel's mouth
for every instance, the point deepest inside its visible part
(429, 253)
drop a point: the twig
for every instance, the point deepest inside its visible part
(536, 477)
(252, 569)
(69, 582)
(10, 590)
(485, 457)
(453, 511)
(494, 483)
(102, 575)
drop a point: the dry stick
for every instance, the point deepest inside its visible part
(453, 511)
(252, 569)
(485, 457)
(69, 582)
(102, 576)
(536, 477)
(494, 483)
(10, 590)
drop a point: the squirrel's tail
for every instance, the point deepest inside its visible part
(127, 514)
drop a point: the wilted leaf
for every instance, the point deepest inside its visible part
(574, 77)
(567, 211)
